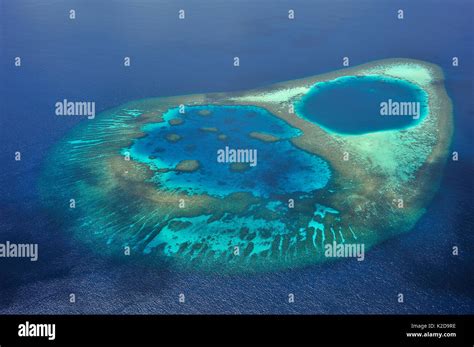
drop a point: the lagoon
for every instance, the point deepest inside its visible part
(351, 105)
(201, 132)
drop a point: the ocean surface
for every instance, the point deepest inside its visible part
(82, 59)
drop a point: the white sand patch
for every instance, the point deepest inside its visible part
(417, 74)
(278, 96)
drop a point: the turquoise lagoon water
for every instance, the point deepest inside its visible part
(351, 104)
(281, 167)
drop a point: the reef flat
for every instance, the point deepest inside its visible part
(144, 175)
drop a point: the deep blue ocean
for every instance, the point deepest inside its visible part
(82, 59)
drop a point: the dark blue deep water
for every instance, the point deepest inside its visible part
(83, 60)
(354, 104)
